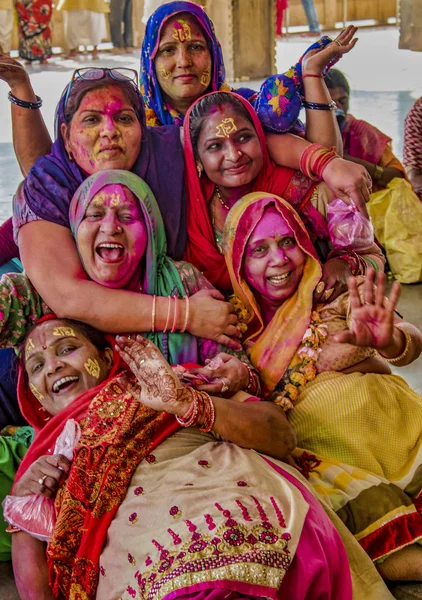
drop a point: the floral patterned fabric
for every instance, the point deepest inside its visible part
(200, 514)
(35, 34)
(20, 307)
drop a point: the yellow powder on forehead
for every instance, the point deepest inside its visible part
(181, 31)
(225, 128)
(64, 332)
(29, 347)
(114, 200)
(92, 367)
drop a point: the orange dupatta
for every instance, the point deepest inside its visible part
(274, 345)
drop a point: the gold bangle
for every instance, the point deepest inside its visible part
(405, 352)
(378, 173)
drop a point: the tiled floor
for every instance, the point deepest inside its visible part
(385, 83)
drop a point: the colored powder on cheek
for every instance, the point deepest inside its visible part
(36, 393)
(206, 77)
(92, 367)
(164, 73)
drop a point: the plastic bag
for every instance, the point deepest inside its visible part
(348, 227)
(396, 214)
(35, 514)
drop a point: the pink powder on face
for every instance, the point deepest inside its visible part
(113, 216)
(273, 263)
(271, 225)
(99, 139)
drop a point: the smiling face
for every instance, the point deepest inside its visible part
(104, 132)
(183, 62)
(61, 364)
(229, 148)
(112, 238)
(273, 263)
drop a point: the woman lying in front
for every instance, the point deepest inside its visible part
(149, 508)
(326, 365)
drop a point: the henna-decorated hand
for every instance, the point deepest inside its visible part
(316, 61)
(159, 386)
(50, 470)
(373, 319)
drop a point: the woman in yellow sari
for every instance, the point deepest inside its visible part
(358, 426)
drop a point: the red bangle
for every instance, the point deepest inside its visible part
(312, 75)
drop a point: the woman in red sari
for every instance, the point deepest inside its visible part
(226, 157)
(135, 473)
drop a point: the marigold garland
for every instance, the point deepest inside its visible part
(287, 391)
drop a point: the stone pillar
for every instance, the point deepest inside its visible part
(246, 30)
(411, 25)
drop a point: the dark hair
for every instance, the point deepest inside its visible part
(81, 87)
(336, 78)
(203, 107)
(97, 338)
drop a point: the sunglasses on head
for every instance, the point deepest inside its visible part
(98, 73)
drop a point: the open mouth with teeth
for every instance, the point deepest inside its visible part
(110, 251)
(64, 384)
(280, 279)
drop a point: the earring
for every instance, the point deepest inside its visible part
(199, 168)
(70, 155)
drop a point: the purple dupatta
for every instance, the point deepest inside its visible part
(52, 181)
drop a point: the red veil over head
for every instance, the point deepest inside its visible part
(293, 186)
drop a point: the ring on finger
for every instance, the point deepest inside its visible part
(224, 387)
(336, 41)
(320, 287)
(328, 293)
(41, 480)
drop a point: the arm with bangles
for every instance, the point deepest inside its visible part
(261, 426)
(30, 567)
(52, 264)
(30, 134)
(373, 323)
(321, 125)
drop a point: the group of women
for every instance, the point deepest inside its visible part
(182, 482)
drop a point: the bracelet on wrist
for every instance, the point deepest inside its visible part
(378, 173)
(312, 75)
(24, 103)
(405, 352)
(319, 105)
(201, 412)
(315, 159)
